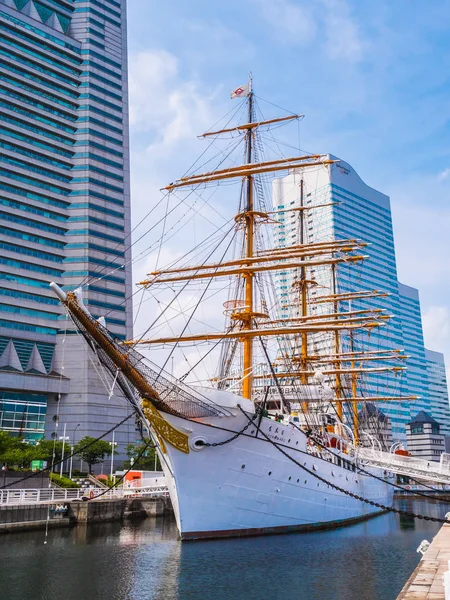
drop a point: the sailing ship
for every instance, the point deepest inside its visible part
(234, 465)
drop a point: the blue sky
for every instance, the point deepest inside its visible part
(372, 78)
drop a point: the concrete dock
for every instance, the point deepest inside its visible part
(34, 516)
(426, 582)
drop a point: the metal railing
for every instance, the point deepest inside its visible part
(406, 465)
(51, 495)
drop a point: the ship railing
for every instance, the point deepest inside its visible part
(51, 495)
(405, 465)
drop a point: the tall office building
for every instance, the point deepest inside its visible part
(437, 390)
(64, 209)
(347, 209)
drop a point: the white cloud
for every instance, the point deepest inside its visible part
(421, 240)
(436, 328)
(289, 21)
(325, 21)
(219, 45)
(343, 39)
(162, 104)
(444, 175)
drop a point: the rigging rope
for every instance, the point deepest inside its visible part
(122, 477)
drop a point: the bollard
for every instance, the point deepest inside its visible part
(423, 546)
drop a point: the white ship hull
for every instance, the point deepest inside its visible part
(248, 487)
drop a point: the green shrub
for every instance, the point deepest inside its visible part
(78, 473)
(63, 481)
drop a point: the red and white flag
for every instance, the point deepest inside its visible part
(241, 91)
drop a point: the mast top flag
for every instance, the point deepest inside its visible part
(242, 91)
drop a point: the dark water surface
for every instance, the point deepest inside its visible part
(144, 561)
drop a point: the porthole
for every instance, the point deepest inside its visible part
(296, 443)
(290, 478)
(332, 473)
(298, 480)
(318, 484)
(270, 428)
(197, 443)
(270, 472)
(305, 481)
(242, 466)
(289, 441)
(314, 468)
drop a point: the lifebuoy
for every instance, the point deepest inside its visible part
(91, 494)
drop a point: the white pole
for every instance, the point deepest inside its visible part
(72, 450)
(112, 455)
(71, 461)
(62, 454)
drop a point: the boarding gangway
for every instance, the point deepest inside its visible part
(409, 466)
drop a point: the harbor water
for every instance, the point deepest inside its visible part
(145, 561)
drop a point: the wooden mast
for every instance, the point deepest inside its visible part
(303, 289)
(354, 385)
(337, 350)
(249, 220)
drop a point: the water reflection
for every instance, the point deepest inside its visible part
(145, 561)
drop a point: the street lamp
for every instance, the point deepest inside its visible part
(64, 438)
(73, 448)
(113, 444)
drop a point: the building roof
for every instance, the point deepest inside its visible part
(424, 417)
(370, 410)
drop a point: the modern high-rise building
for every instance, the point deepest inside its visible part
(437, 390)
(342, 206)
(64, 210)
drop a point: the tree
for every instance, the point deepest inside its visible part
(45, 448)
(146, 462)
(17, 452)
(5, 442)
(96, 452)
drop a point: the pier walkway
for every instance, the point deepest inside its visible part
(409, 466)
(426, 582)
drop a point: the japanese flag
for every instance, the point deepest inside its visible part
(240, 92)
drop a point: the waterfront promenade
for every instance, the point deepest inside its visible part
(426, 582)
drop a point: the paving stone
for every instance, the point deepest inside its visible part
(426, 582)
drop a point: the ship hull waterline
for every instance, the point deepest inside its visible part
(247, 487)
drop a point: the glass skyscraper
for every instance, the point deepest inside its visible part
(350, 209)
(64, 209)
(437, 390)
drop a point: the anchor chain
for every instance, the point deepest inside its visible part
(234, 437)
